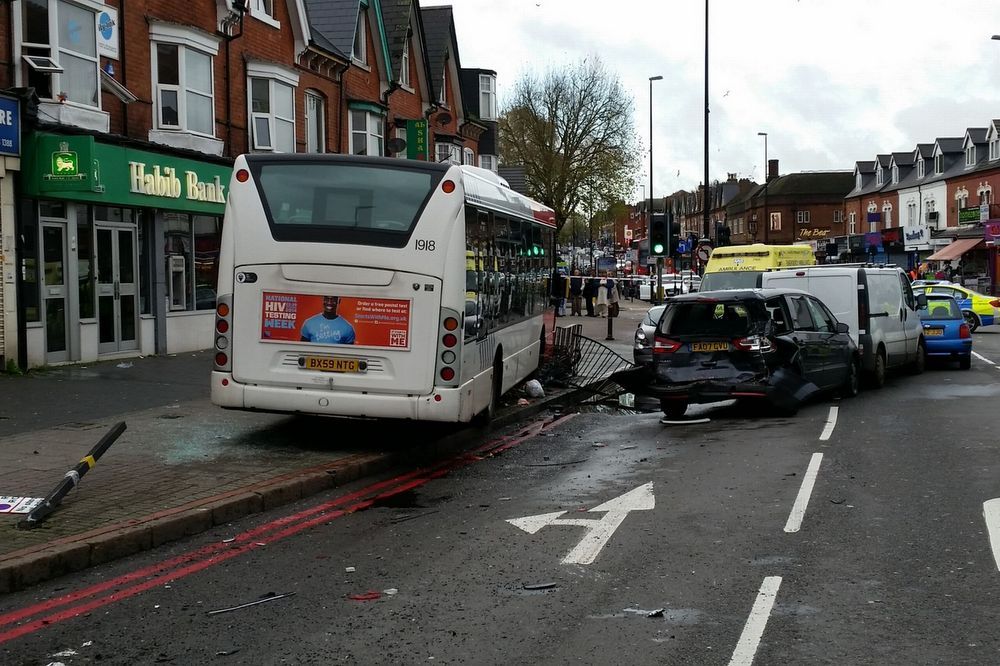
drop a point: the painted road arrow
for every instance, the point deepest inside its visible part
(991, 512)
(599, 529)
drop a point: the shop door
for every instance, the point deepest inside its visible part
(54, 292)
(117, 292)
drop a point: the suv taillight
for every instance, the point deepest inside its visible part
(663, 345)
(754, 343)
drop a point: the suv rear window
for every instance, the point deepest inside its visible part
(730, 280)
(711, 318)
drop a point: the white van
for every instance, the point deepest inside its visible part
(876, 302)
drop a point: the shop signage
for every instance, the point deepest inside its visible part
(10, 126)
(416, 139)
(874, 217)
(915, 236)
(166, 184)
(80, 168)
(968, 215)
(991, 231)
(814, 233)
(107, 33)
(890, 235)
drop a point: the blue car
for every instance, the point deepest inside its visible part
(946, 334)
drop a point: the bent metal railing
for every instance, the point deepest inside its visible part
(578, 362)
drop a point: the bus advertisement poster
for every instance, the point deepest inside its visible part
(338, 320)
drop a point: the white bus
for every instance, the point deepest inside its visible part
(377, 287)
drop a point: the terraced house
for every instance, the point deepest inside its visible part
(122, 120)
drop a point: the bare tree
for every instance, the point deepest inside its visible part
(573, 131)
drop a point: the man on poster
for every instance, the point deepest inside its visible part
(328, 327)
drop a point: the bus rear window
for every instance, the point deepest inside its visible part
(340, 202)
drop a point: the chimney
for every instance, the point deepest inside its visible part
(772, 170)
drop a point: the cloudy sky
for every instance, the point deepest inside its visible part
(831, 81)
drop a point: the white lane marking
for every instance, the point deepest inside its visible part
(802, 501)
(991, 512)
(753, 630)
(983, 358)
(831, 423)
(599, 531)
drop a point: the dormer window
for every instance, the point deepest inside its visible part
(920, 168)
(857, 181)
(995, 147)
(939, 164)
(404, 65)
(878, 177)
(487, 97)
(360, 50)
(443, 97)
(895, 174)
(970, 155)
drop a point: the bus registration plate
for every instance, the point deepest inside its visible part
(330, 364)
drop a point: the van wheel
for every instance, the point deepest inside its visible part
(971, 319)
(877, 376)
(920, 362)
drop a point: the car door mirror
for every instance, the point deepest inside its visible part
(843, 328)
(921, 301)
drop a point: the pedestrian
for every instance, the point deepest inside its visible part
(604, 294)
(913, 274)
(589, 292)
(560, 289)
(576, 293)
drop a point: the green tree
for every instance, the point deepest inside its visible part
(573, 131)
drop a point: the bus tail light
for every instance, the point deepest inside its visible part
(448, 186)
(449, 354)
(224, 333)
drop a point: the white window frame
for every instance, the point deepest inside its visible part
(371, 137)
(315, 144)
(886, 215)
(838, 216)
(468, 157)
(938, 164)
(962, 198)
(970, 155)
(895, 174)
(775, 221)
(878, 177)
(995, 148)
(852, 223)
(920, 168)
(443, 97)
(263, 11)
(487, 111)
(400, 133)
(360, 39)
(857, 181)
(802, 217)
(911, 214)
(488, 162)
(275, 75)
(51, 63)
(404, 65)
(182, 89)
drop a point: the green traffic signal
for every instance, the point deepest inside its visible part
(658, 248)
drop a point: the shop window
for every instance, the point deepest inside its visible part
(192, 260)
(86, 279)
(59, 51)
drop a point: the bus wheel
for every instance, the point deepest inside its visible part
(484, 417)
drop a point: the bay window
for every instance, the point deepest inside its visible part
(272, 107)
(367, 133)
(59, 51)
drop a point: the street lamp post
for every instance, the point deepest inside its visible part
(767, 218)
(649, 213)
(704, 218)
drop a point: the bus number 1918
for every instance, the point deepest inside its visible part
(423, 244)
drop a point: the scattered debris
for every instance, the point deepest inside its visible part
(656, 613)
(365, 596)
(630, 446)
(598, 444)
(68, 652)
(391, 591)
(350, 569)
(523, 402)
(504, 499)
(124, 366)
(557, 464)
(837, 501)
(534, 389)
(226, 653)
(539, 586)
(270, 596)
(13, 504)
(89, 643)
(229, 540)
(666, 421)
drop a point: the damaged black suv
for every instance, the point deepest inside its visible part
(778, 345)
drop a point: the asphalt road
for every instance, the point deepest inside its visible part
(884, 559)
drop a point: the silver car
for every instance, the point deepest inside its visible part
(642, 349)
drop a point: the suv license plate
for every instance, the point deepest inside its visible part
(330, 364)
(709, 346)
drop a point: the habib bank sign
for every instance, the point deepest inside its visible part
(164, 182)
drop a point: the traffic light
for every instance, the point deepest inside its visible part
(659, 235)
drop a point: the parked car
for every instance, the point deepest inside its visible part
(947, 334)
(977, 309)
(878, 305)
(642, 349)
(929, 283)
(780, 345)
(673, 284)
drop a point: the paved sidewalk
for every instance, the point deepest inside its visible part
(183, 465)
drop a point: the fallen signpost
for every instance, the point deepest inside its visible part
(72, 478)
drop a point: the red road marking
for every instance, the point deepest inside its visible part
(210, 555)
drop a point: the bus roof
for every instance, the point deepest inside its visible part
(484, 187)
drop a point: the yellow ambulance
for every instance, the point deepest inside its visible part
(740, 266)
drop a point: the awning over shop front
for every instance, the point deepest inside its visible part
(955, 250)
